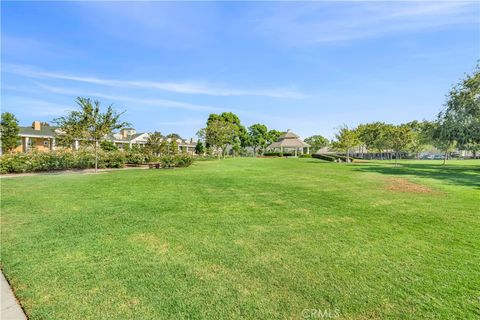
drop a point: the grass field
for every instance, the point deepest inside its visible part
(247, 238)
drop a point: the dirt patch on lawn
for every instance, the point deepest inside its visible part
(403, 185)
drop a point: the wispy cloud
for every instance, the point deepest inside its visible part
(34, 107)
(316, 23)
(181, 123)
(163, 103)
(176, 87)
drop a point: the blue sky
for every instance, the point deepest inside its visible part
(309, 66)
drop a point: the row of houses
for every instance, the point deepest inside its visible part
(42, 137)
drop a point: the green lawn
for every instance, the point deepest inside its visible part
(247, 238)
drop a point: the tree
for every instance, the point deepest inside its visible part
(400, 138)
(223, 130)
(373, 136)
(346, 139)
(9, 132)
(462, 109)
(199, 148)
(474, 148)
(443, 133)
(173, 147)
(317, 142)
(173, 136)
(89, 124)
(201, 134)
(220, 134)
(108, 146)
(154, 143)
(257, 137)
(273, 136)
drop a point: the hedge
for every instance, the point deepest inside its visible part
(65, 159)
(278, 154)
(323, 157)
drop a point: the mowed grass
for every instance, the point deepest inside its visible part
(247, 238)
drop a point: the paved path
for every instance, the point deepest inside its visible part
(10, 309)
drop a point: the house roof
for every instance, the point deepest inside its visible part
(289, 135)
(289, 140)
(45, 131)
(289, 143)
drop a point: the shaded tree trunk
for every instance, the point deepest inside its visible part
(96, 156)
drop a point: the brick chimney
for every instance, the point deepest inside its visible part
(36, 125)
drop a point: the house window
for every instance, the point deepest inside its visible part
(46, 142)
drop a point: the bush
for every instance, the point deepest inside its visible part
(273, 154)
(133, 157)
(306, 155)
(178, 160)
(112, 159)
(108, 146)
(323, 157)
(183, 160)
(82, 159)
(59, 160)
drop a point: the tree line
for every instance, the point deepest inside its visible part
(457, 126)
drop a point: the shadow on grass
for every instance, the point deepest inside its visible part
(453, 174)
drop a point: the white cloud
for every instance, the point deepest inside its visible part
(315, 23)
(176, 87)
(163, 103)
(34, 107)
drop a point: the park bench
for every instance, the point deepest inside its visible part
(154, 165)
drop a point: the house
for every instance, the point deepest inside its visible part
(289, 142)
(128, 136)
(38, 136)
(42, 137)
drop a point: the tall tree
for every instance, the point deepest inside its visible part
(154, 143)
(346, 139)
(400, 138)
(443, 133)
(461, 116)
(223, 130)
(257, 137)
(9, 132)
(273, 136)
(89, 124)
(317, 142)
(232, 118)
(374, 136)
(199, 148)
(220, 134)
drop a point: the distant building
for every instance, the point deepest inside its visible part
(289, 142)
(37, 136)
(42, 137)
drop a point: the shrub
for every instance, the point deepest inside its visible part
(273, 154)
(306, 155)
(183, 160)
(134, 157)
(178, 160)
(82, 159)
(323, 157)
(167, 161)
(108, 146)
(112, 159)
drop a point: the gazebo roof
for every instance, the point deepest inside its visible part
(289, 140)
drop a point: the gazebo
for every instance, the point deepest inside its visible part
(289, 141)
